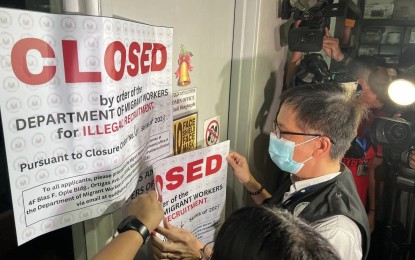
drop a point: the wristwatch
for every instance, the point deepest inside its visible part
(132, 223)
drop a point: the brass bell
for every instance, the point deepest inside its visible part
(184, 78)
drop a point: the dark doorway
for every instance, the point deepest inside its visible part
(55, 245)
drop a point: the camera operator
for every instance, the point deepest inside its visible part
(363, 157)
(331, 48)
(395, 133)
(405, 70)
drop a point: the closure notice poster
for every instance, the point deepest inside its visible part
(192, 187)
(85, 107)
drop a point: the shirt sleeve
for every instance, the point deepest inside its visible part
(343, 234)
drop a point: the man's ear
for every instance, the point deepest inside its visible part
(363, 83)
(355, 133)
(322, 146)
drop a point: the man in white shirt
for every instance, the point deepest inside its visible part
(313, 130)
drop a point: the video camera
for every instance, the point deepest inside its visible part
(397, 137)
(308, 37)
(313, 69)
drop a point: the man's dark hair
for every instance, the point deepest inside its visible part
(327, 109)
(361, 67)
(372, 69)
(262, 233)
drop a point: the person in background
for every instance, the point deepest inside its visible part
(250, 233)
(313, 130)
(145, 214)
(363, 158)
(407, 67)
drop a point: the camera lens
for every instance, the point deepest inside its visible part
(398, 132)
(308, 37)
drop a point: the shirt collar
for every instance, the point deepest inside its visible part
(298, 185)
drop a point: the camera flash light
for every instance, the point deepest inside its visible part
(402, 92)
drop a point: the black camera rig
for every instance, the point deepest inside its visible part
(313, 69)
(396, 136)
(308, 37)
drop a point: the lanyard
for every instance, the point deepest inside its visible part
(362, 144)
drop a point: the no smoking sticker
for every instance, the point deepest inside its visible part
(212, 131)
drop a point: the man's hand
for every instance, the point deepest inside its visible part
(240, 167)
(412, 160)
(241, 170)
(147, 209)
(331, 46)
(181, 244)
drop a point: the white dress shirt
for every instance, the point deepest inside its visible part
(341, 232)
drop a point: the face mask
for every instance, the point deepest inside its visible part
(282, 151)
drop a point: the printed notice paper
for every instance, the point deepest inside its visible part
(193, 189)
(86, 107)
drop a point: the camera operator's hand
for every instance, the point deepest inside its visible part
(412, 160)
(296, 57)
(331, 46)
